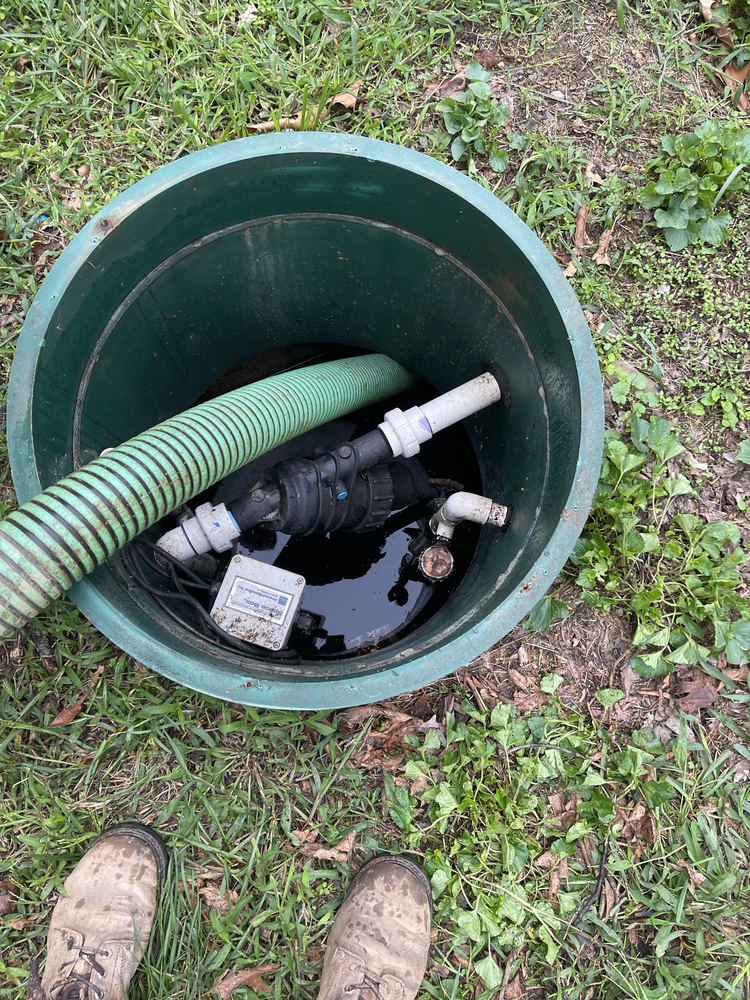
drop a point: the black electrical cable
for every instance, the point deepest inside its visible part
(130, 553)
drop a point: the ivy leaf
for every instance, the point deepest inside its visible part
(651, 665)
(541, 615)
(714, 231)
(499, 160)
(675, 217)
(743, 455)
(490, 972)
(458, 148)
(678, 239)
(475, 71)
(609, 696)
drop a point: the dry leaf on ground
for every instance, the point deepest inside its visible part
(447, 87)
(228, 981)
(627, 677)
(695, 695)
(514, 989)
(340, 852)
(547, 860)
(581, 237)
(305, 836)
(607, 900)
(722, 31)
(524, 655)
(737, 673)
(529, 701)
(593, 174)
(696, 878)
(522, 681)
(601, 256)
(222, 902)
(740, 76)
(564, 814)
(733, 76)
(640, 825)
(70, 712)
(347, 99)
(8, 894)
(487, 59)
(417, 787)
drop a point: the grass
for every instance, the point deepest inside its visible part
(94, 97)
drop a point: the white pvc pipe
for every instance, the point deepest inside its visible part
(406, 431)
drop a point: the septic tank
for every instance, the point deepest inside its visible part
(302, 239)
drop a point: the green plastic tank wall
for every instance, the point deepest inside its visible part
(314, 237)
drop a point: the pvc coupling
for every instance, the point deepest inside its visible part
(406, 431)
(212, 528)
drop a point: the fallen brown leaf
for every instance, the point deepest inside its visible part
(581, 237)
(487, 59)
(627, 677)
(305, 836)
(570, 270)
(601, 256)
(740, 76)
(722, 31)
(514, 989)
(522, 681)
(524, 655)
(547, 860)
(347, 99)
(21, 922)
(738, 673)
(447, 87)
(340, 852)
(607, 900)
(8, 895)
(222, 902)
(696, 878)
(593, 174)
(640, 825)
(70, 712)
(228, 981)
(554, 883)
(529, 701)
(417, 787)
(695, 695)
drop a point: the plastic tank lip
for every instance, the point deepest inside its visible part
(413, 669)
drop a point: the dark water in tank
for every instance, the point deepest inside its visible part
(352, 579)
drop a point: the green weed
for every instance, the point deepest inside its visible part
(674, 574)
(699, 170)
(475, 119)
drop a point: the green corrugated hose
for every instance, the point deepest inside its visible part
(55, 539)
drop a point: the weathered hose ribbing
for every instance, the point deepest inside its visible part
(65, 532)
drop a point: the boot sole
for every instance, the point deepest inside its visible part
(404, 861)
(146, 834)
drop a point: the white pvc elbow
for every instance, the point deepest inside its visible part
(466, 507)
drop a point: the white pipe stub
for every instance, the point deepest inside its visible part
(406, 431)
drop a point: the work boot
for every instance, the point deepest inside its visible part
(377, 947)
(100, 928)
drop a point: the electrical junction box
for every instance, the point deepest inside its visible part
(258, 603)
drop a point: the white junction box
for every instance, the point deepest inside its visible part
(258, 603)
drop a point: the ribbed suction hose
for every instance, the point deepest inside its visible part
(54, 540)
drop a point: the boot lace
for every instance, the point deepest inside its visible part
(368, 989)
(73, 985)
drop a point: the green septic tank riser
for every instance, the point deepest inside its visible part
(315, 238)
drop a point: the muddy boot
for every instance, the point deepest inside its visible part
(377, 947)
(99, 931)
